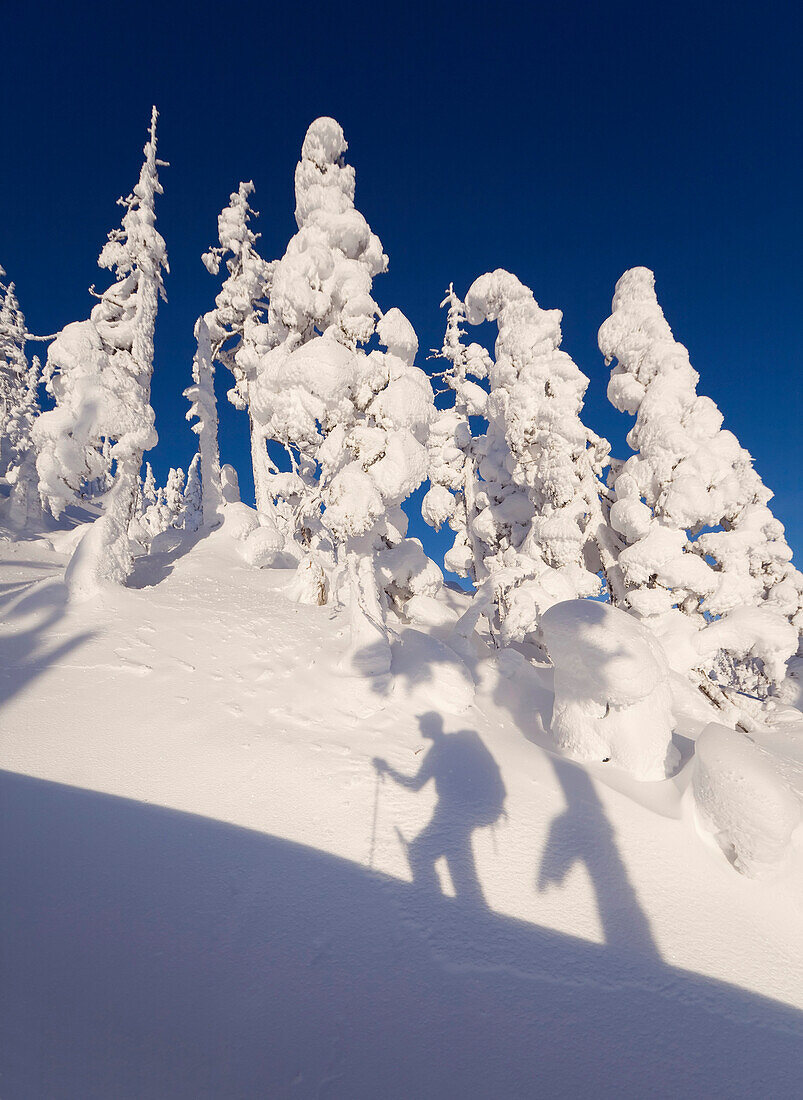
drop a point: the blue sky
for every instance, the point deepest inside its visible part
(565, 142)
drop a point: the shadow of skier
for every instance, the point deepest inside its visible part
(471, 795)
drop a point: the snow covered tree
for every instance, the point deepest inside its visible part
(99, 374)
(321, 285)
(174, 498)
(25, 505)
(148, 495)
(150, 501)
(192, 502)
(452, 450)
(353, 424)
(14, 373)
(539, 516)
(691, 510)
(203, 407)
(239, 315)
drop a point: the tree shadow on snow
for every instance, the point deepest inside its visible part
(29, 625)
(151, 953)
(151, 569)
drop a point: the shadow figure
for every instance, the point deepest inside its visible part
(471, 795)
(583, 834)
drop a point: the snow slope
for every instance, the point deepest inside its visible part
(208, 889)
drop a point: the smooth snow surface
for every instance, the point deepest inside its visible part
(742, 800)
(211, 890)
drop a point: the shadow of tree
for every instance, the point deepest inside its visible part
(151, 569)
(151, 953)
(38, 607)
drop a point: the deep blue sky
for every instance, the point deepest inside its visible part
(565, 142)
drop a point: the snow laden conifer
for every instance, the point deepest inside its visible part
(174, 497)
(203, 407)
(99, 375)
(352, 424)
(238, 319)
(19, 409)
(691, 510)
(539, 514)
(25, 505)
(452, 450)
(13, 371)
(192, 503)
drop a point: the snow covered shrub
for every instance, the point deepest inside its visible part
(229, 484)
(263, 546)
(612, 696)
(690, 509)
(742, 800)
(99, 374)
(310, 585)
(239, 520)
(406, 572)
(791, 690)
(539, 519)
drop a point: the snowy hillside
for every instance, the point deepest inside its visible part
(286, 812)
(216, 883)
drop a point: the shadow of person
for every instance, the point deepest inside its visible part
(583, 834)
(471, 795)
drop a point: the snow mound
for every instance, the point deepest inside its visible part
(239, 521)
(791, 690)
(263, 546)
(612, 695)
(429, 611)
(742, 800)
(229, 484)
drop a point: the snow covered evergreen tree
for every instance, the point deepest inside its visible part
(192, 502)
(452, 450)
(239, 318)
(203, 406)
(99, 374)
(353, 425)
(691, 510)
(539, 514)
(174, 498)
(25, 505)
(14, 373)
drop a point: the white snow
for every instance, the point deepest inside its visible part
(743, 801)
(612, 696)
(206, 892)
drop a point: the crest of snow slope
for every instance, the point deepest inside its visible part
(212, 694)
